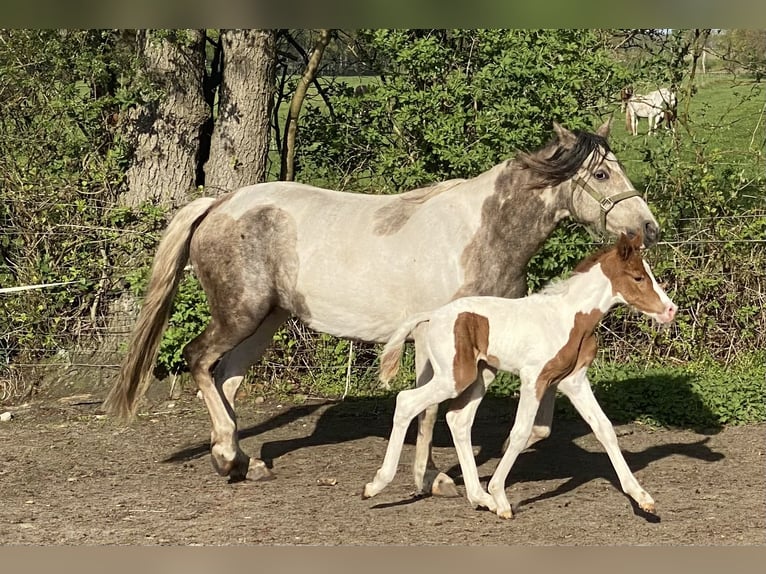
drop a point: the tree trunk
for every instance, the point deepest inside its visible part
(287, 164)
(240, 143)
(166, 132)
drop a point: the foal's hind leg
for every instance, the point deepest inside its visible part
(229, 373)
(427, 476)
(408, 404)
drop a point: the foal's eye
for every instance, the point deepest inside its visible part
(601, 175)
(638, 278)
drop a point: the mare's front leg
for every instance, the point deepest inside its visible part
(543, 420)
(578, 389)
(426, 474)
(408, 404)
(229, 374)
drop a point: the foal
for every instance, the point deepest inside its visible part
(546, 338)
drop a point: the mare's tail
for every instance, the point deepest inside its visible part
(392, 352)
(167, 270)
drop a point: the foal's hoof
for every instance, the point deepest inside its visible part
(368, 491)
(648, 507)
(257, 470)
(444, 486)
(505, 514)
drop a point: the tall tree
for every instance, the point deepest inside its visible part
(240, 140)
(287, 164)
(165, 130)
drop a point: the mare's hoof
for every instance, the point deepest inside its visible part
(444, 486)
(258, 471)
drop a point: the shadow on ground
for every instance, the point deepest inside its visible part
(660, 399)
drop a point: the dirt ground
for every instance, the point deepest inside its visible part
(69, 475)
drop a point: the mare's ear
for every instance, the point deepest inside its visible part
(566, 137)
(605, 128)
(625, 247)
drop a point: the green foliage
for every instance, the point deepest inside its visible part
(188, 318)
(706, 186)
(61, 165)
(700, 394)
(452, 104)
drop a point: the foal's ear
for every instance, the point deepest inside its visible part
(605, 128)
(637, 241)
(566, 137)
(625, 247)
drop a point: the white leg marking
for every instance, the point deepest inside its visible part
(577, 388)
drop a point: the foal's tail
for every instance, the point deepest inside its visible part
(169, 262)
(392, 352)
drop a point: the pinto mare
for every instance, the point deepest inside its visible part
(653, 106)
(546, 338)
(356, 265)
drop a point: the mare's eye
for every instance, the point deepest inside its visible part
(601, 175)
(638, 278)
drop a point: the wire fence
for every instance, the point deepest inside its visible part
(90, 347)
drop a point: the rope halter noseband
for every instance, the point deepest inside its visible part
(605, 203)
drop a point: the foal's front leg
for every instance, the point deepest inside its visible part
(578, 389)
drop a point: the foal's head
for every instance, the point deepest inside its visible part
(632, 279)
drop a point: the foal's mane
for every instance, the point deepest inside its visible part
(555, 163)
(558, 286)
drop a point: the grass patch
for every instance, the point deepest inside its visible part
(701, 395)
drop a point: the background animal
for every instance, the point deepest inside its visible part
(655, 106)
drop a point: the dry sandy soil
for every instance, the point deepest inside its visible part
(68, 475)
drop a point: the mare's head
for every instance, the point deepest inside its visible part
(632, 279)
(600, 195)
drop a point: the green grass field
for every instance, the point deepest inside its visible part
(724, 118)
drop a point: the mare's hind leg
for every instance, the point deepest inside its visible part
(427, 476)
(201, 354)
(229, 373)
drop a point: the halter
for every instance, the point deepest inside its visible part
(605, 203)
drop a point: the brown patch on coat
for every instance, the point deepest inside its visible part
(248, 265)
(579, 351)
(396, 213)
(514, 225)
(471, 333)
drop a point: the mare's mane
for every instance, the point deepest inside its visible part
(555, 163)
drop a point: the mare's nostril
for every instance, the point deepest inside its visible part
(651, 233)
